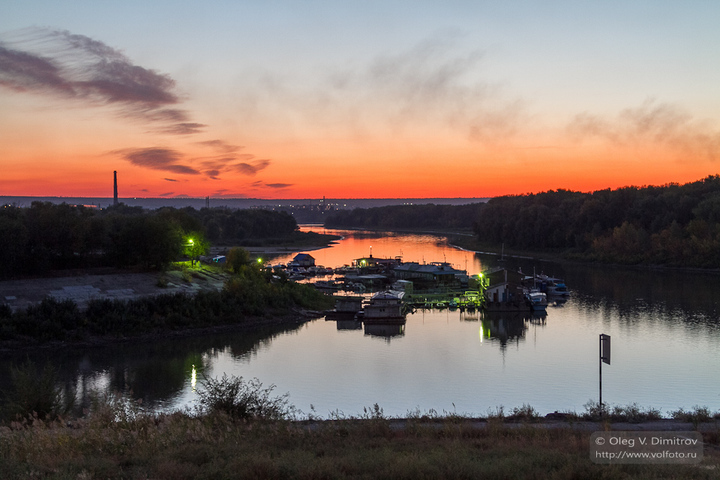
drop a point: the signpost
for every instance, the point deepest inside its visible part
(604, 357)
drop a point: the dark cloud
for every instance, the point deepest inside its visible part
(167, 194)
(24, 72)
(250, 168)
(663, 125)
(244, 163)
(157, 159)
(279, 185)
(225, 193)
(169, 179)
(222, 162)
(65, 65)
(245, 168)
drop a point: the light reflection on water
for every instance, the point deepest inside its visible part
(664, 328)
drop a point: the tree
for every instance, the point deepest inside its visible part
(196, 246)
(237, 258)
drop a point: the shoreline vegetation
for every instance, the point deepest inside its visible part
(127, 240)
(250, 298)
(671, 225)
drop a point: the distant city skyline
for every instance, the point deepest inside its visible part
(394, 99)
(200, 202)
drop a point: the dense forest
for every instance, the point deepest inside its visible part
(676, 225)
(428, 217)
(48, 236)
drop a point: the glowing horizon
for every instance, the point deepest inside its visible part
(463, 100)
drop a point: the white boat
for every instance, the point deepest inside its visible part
(558, 289)
(537, 300)
(384, 308)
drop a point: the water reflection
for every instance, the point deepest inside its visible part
(347, 324)
(635, 294)
(386, 331)
(509, 327)
(154, 372)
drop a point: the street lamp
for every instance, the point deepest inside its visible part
(189, 246)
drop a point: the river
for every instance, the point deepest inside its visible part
(664, 326)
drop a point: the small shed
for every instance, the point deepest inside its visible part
(304, 260)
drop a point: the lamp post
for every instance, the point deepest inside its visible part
(190, 246)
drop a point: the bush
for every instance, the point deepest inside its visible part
(243, 400)
(697, 415)
(526, 413)
(35, 393)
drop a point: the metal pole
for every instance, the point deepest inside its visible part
(601, 362)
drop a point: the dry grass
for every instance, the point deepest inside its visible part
(117, 440)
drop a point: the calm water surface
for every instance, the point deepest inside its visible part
(665, 331)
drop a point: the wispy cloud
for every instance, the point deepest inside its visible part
(220, 146)
(279, 185)
(184, 128)
(65, 65)
(170, 160)
(229, 160)
(431, 85)
(157, 159)
(652, 123)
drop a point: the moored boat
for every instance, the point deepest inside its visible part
(537, 300)
(384, 308)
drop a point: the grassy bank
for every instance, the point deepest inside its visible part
(238, 429)
(118, 442)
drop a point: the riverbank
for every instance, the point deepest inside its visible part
(81, 286)
(121, 442)
(302, 241)
(90, 310)
(249, 324)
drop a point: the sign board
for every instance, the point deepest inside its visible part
(605, 348)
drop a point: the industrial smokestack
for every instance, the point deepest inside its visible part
(115, 199)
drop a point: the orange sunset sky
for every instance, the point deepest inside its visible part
(290, 99)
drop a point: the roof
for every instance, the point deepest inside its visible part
(434, 269)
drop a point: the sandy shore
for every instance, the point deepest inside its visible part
(18, 294)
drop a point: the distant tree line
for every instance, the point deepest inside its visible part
(429, 217)
(48, 236)
(675, 225)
